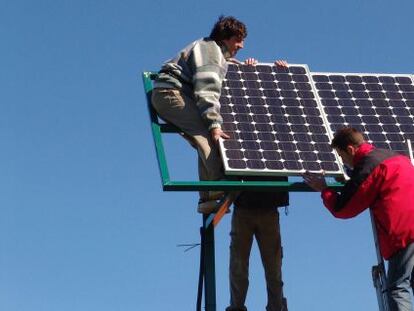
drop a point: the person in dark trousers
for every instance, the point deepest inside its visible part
(383, 181)
(256, 215)
(187, 91)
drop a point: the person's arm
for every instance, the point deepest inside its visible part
(209, 67)
(356, 197)
(353, 199)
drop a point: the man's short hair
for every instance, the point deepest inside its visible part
(227, 27)
(347, 136)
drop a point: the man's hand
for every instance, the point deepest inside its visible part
(315, 181)
(281, 63)
(216, 133)
(251, 61)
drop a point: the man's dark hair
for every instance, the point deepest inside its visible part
(347, 136)
(227, 27)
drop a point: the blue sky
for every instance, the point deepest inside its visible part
(84, 224)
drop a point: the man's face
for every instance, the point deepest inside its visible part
(234, 44)
(346, 156)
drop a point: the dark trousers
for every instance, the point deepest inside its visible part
(400, 278)
(263, 224)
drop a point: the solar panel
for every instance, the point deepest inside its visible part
(380, 105)
(275, 123)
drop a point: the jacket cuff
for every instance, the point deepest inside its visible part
(326, 194)
(214, 125)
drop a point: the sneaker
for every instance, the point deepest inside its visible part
(207, 207)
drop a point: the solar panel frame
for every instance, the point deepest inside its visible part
(369, 93)
(282, 95)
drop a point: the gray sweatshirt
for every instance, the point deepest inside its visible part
(198, 70)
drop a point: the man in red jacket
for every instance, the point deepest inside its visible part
(383, 181)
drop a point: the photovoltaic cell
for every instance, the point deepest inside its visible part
(274, 121)
(380, 105)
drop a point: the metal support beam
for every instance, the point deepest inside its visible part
(378, 272)
(209, 267)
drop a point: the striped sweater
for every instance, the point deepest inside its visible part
(198, 70)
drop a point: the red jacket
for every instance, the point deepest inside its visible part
(383, 181)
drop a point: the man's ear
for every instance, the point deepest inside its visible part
(350, 149)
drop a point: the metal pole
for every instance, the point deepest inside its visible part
(209, 267)
(378, 272)
(410, 150)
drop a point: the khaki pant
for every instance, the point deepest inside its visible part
(180, 110)
(263, 224)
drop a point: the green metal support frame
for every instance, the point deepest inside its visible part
(209, 267)
(227, 185)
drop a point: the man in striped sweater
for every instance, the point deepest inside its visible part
(187, 92)
(383, 181)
